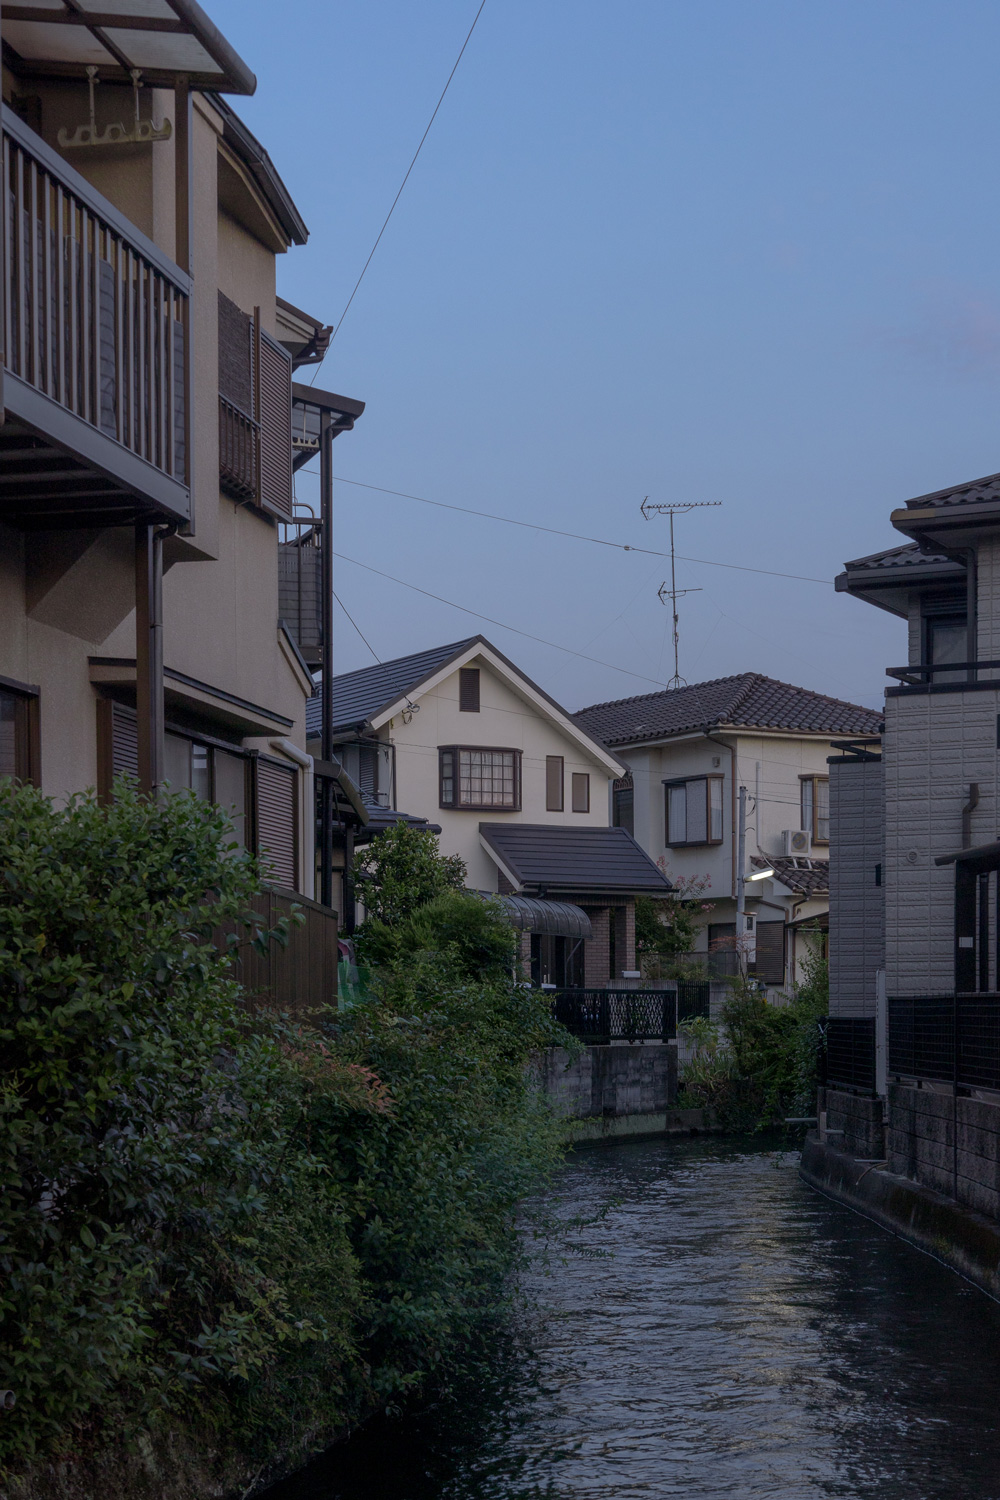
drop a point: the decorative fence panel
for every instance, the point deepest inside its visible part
(601, 1016)
(299, 978)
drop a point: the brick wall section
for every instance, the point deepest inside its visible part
(857, 904)
(611, 1081)
(597, 949)
(935, 745)
(504, 887)
(625, 938)
(921, 1141)
(860, 1119)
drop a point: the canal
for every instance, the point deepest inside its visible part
(725, 1332)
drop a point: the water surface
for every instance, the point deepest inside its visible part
(726, 1332)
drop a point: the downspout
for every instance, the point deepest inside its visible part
(308, 872)
(732, 794)
(967, 812)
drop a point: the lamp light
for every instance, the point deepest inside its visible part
(761, 874)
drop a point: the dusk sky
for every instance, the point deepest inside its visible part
(701, 250)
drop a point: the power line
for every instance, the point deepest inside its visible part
(577, 536)
(409, 169)
(357, 627)
(502, 624)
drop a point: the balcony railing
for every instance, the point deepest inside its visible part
(96, 318)
(921, 674)
(239, 452)
(602, 1016)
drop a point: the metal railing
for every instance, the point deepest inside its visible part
(239, 452)
(96, 317)
(920, 673)
(950, 1038)
(693, 998)
(848, 1057)
(600, 1016)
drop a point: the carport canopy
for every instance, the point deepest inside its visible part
(555, 918)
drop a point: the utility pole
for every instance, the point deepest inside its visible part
(674, 593)
(741, 854)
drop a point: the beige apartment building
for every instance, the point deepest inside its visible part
(151, 423)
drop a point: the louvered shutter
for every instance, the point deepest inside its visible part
(277, 807)
(275, 395)
(124, 743)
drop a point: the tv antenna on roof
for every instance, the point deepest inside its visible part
(673, 593)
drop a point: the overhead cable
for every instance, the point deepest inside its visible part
(576, 536)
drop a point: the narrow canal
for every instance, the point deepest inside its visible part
(728, 1332)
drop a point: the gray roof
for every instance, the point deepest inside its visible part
(907, 556)
(807, 876)
(973, 492)
(358, 696)
(560, 857)
(747, 701)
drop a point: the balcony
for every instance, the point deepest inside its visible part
(943, 676)
(96, 386)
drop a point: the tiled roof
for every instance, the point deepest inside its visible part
(357, 696)
(560, 857)
(747, 701)
(907, 556)
(974, 492)
(809, 877)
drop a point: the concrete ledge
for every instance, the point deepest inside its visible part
(960, 1237)
(595, 1129)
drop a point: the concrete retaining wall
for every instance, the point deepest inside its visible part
(855, 1121)
(952, 1145)
(618, 1090)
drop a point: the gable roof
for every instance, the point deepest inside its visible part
(359, 696)
(972, 492)
(368, 699)
(747, 701)
(561, 857)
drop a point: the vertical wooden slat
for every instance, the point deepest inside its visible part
(94, 329)
(60, 269)
(119, 342)
(51, 316)
(128, 435)
(22, 362)
(170, 449)
(31, 237)
(8, 218)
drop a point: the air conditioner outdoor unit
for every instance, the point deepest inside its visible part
(796, 841)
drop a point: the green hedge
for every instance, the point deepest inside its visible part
(217, 1225)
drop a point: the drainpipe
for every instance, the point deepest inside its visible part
(706, 731)
(308, 873)
(967, 812)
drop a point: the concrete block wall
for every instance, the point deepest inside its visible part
(921, 1144)
(611, 1081)
(854, 1123)
(935, 745)
(857, 900)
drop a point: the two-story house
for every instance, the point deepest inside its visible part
(459, 737)
(914, 1041)
(696, 755)
(150, 421)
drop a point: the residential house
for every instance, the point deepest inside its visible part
(688, 752)
(914, 1039)
(150, 421)
(459, 737)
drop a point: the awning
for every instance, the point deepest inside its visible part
(164, 39)
(557, 918)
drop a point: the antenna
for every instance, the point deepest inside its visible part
(673, 593)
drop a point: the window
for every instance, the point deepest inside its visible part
(18, 712)
(581, 791)
(623, 805)
(483, 779)
(557, 961)
(554, 798)
(468, 690)
(214, 774)
(816, 807)
(694, 811)
(946, 639)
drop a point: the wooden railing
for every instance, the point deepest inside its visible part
(300, 978)
(239, 452)
(96, 318)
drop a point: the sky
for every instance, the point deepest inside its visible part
(744, 255)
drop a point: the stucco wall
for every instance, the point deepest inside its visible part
(857, 899)
(506, 720)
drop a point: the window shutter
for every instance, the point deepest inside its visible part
(124, 743)
(769, 965)
(468, 690)
(277, 806)
(275, 397)
(553, 783)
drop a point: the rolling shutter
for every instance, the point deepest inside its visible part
(124, 743)
(769, 965)
(277, 821)
(275, 398)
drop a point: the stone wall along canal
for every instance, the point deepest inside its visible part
(729, 1333)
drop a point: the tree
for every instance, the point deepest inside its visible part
(666, 927)
(402, 870)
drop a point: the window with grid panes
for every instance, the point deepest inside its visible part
(480, 778)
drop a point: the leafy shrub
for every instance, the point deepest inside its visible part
(401, 870)
(474, 934)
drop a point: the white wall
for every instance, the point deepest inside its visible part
(506, 720)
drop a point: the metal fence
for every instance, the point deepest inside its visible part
(849, 1052)
(951, 1038)
(693, 998)
(600, 1016)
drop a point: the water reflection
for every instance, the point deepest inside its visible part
(747, 1338)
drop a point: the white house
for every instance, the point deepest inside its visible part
(460, 737)
(689, 751)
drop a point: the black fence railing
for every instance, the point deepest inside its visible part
(599, 1016)
(951, 1038)
(848, 1057)
(693, 996)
